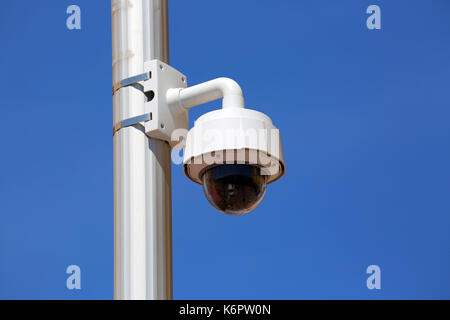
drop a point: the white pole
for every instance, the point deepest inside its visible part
(142, 168)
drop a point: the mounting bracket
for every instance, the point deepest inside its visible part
(159, 119)
(169, 99)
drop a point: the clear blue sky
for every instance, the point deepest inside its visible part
(364, 116)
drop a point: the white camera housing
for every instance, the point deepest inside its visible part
(233, 136)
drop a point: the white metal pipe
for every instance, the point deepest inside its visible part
(158, 168)
(156, 30)
(142, 177)
(208, 91)
(129, 155)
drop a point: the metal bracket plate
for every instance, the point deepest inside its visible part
(159, 120)
(165, 119)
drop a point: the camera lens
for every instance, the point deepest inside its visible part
(234, 189)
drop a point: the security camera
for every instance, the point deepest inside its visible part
(234, 152)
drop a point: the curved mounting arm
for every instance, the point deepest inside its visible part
(186, 98)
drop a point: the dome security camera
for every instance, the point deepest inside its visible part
(233, 152)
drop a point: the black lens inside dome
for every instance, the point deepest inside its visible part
(234, 189)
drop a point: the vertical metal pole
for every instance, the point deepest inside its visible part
(142, 167)
(158, 167)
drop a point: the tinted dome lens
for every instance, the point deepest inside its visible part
(234, 189)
